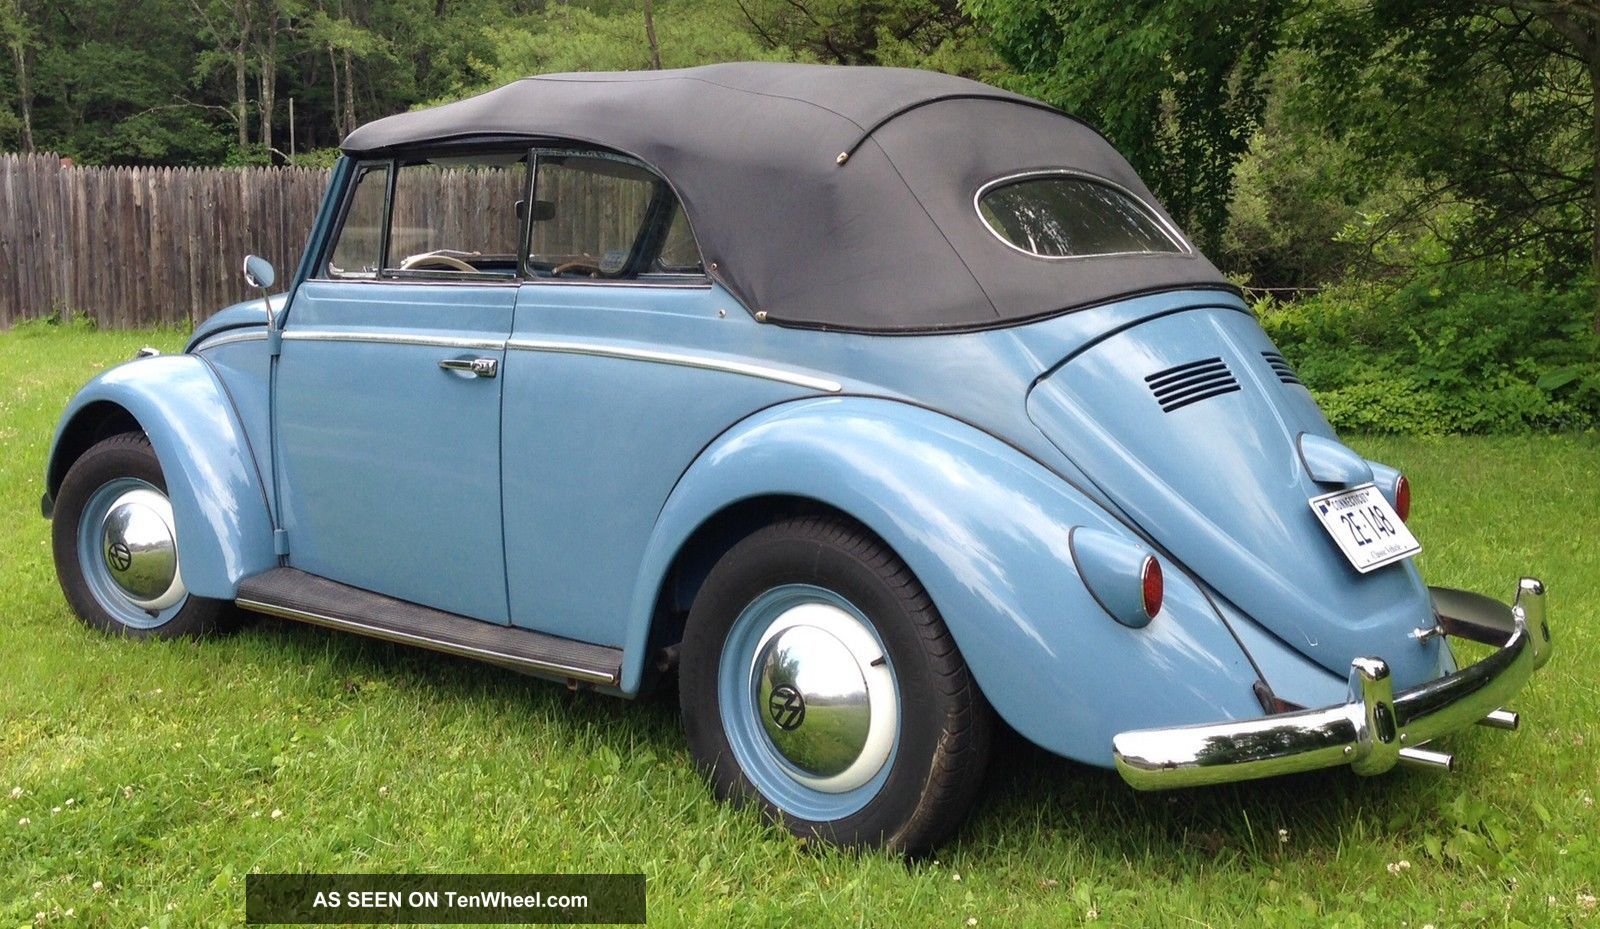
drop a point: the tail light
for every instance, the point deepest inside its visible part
(1153, 587)
(1402, 498)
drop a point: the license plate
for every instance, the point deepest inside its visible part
(1365, 527)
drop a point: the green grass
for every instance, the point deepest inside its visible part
(164, 772)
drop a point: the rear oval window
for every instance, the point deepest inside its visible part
(1067, 216)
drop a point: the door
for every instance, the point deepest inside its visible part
(388, 388)
(623, 366)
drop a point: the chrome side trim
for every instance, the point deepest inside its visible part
(419, 281)
(670, 358)
(588, 675)
(1372, 732)
(386, 338)
(228, 338)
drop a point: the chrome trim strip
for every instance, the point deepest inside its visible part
(1369, 733)
(385, 338)
(1185, 250)
(704, 284)
(485, 281)
(228, 338)
(588, 675)
(670, 358)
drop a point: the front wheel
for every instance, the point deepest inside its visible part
(116, 547)
(818, 681)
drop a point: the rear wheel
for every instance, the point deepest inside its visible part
(818, 681)
(116, 547)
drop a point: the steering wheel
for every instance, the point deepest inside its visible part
(581, 264)
(435, 260)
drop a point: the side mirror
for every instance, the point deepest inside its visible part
(258, 272)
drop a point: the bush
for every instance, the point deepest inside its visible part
(1456, 350)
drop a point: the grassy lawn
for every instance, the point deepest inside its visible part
(139, 783)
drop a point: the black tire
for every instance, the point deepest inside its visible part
(122, 456)
(945, 725)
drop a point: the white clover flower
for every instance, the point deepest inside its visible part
(16, 793)
(277, 814)
(24, 821)
(97, 886)
(1283, 837)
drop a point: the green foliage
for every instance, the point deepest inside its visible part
(933, 34)
(1487, 105)
(572, 38)
(1453, 351)
(1175, 85)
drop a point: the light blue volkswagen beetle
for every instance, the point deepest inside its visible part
(883, 405)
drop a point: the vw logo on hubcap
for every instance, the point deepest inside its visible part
(118, 556)
(787, 707)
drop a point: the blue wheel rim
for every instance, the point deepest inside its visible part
(737, 688)
(92, 565)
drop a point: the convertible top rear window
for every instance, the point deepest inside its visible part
(1073, 216)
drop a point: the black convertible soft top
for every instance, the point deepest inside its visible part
(830, 197)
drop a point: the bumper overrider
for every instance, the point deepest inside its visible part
(1377, 728)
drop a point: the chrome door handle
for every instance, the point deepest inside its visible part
(477, 367)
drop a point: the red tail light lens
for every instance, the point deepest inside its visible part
(1402, 498)
(1153, 586)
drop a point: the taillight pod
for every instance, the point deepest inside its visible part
(1121, 574)
(1402, 498)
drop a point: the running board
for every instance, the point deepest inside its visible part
(294, 594)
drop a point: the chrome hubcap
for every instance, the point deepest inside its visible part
(826, 697)
(140, 548)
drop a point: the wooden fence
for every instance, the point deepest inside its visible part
(142, 246)
(145, 246)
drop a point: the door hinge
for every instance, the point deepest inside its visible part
(274, 342)
(280, 541)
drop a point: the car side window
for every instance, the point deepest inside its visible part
(359, 249)
(457, 216)
(603, 218)
(433, 218)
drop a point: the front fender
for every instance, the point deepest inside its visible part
(985, 528)
(218, 499)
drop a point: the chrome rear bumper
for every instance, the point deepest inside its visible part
(1377, 728)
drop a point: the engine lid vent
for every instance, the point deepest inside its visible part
(1191, 382)
(1280, 366)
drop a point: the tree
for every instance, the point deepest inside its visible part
(17, 31)
(1175, 84)
(913, 33)
(1491, 104)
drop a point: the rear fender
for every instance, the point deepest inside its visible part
(218, 499)
(985, 529)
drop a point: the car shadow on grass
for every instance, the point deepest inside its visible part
(1037, 796)
(1031, 798)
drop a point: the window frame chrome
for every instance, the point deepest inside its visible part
(1171, 231)
(702, 281)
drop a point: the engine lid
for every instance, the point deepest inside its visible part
(1192, 422)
